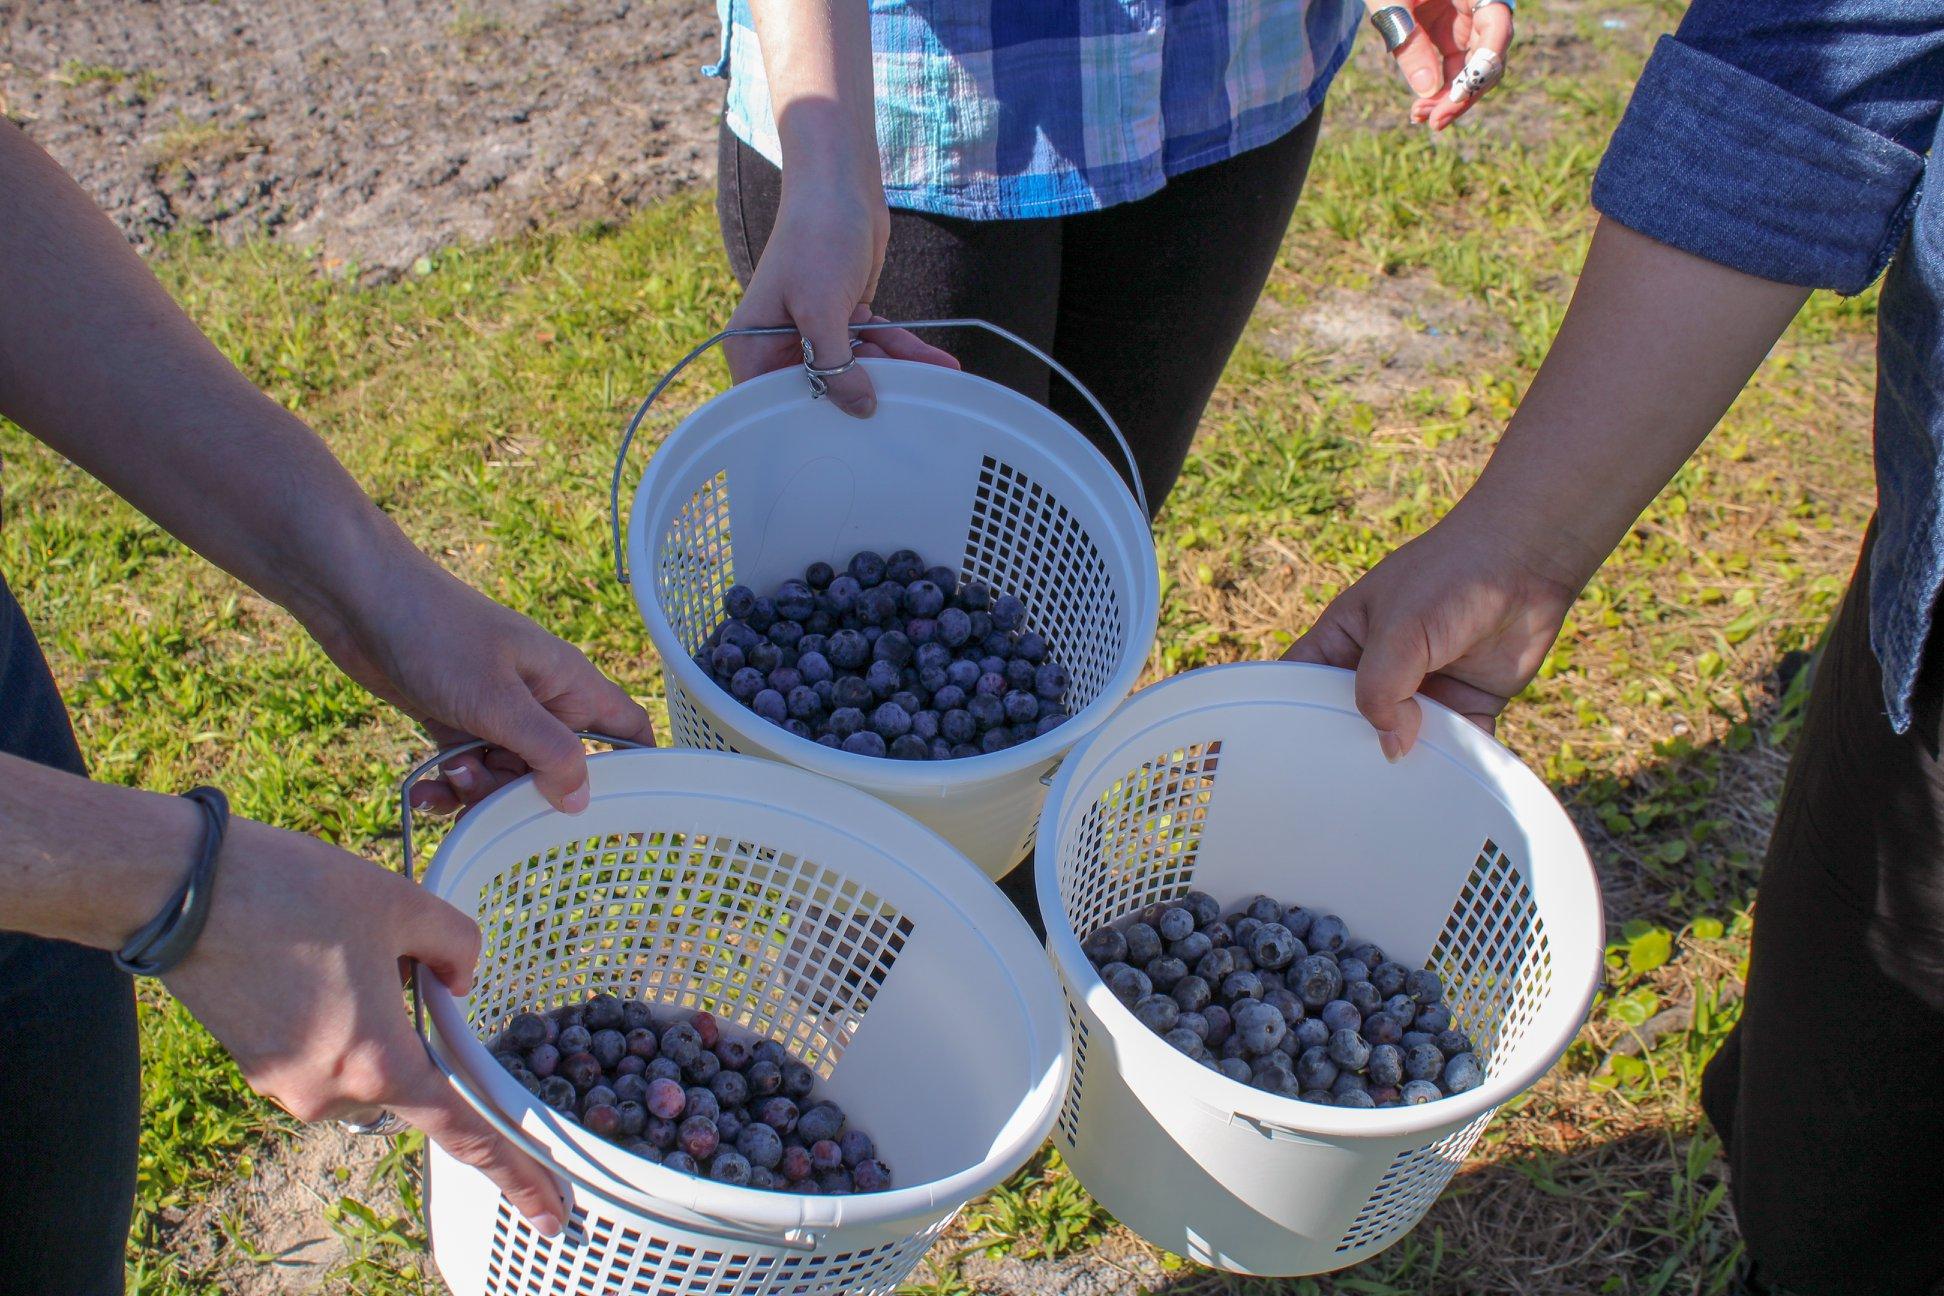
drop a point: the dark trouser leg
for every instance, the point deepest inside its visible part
(1155, 294)
(1826, 1093)
(70, 1103)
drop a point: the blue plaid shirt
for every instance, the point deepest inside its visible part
(997, 109)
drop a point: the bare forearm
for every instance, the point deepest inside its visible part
(817, 60)
(1652, 352)
(99, 362)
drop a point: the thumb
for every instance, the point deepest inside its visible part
(550, 749)
(1394, 663)
(1418, 57)
(830, 343)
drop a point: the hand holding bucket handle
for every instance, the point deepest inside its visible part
(634, 424)
(585, 1174)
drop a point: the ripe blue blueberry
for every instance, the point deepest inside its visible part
(731, 1088)
(1008, 613)
(726, 659)
(1450, 1043)
(1165, 971)
(954, 627)
(818, 575)
(1158, 1012)
(1143, 942)
(1435, 1018)
(975, 596)
(1327, 934)
(1385, 1065)
(1258, 1026)
(845, 721)
(947, 697)
(1048, 723)
(910, 747)
(1264, 909)
(929, 656)
(739, 601)
(1317, 981)
(1353, 1098)
(795, 601)
(1382, 1028)
(878, 606)
(1275, 1077)
(1175, 922)
(1314, 1069)
(765, 1076)
(779, 1113)
(663, 1068)
(1019, 675)
(1030, 647)
(1192, 948)
(1423, 1062)
(960, 751)
(826, 691)
(965, 674)
(1185, 1041)
(958, 726)
(848, 650)
(1213, 967)
(904, 566)
(785, 678)
(1235, 1069)
(883, 679)
(765, 657)
(986, 710)
(924, 599)
(1364, 995)
(762, 616)
(1283, 1001)
(1404, 1008)
(1105, 945)
(993, 685)
(822, 1121)
(682, 1161)
(1348, 1082)
(925, 725)
(770, 705)
(1419, 1091)
(865, 743)
(871, 1176)
(867, 568)
(1353, 969)
(698, 1136)
(1311, 1033)
(1424, 985)
(1272, 946)
(542, 1060)
(1341, 1014)
(761, 1144)
(1242, 985)
(814, 667)
(1050, 681)
(804, 703)
(1194, 1023)
(891, 721)
(1129, 984)
(746, 683)
(786, 635)
(1220, 1025)
(559, 1093)
(1462, 1073)
(608, 1047)
(1021, 707)
(893, 646)
(851, 691)
(799, 728)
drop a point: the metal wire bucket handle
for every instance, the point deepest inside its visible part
(634, 424)
(601, 1185)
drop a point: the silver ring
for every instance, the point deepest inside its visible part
(1395, 24)
(819, 384)
(386, 1122)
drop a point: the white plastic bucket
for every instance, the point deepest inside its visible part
(763, 480)
(794, 909)
(1263, 779)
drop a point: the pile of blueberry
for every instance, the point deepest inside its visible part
(1283, 998)
(888, 658)
(684, 1094)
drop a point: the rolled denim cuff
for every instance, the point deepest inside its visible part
(1716, 161)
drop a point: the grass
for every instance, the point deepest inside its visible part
(479, 401)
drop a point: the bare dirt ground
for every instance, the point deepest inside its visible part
(375, 131)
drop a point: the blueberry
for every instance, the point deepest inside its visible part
(1364, 995)
(845, 721)
(731, 1088)
(1424, 985)
(993, 685)
(815, 668)
(871, 1176)
(904, 566)
(786, 635)
(1348, 1082)
(1269, 980)
(891, 721)
(1019, 676)
(762, 1145)
(1353, 969)
(965, 674)
(739, 601)
(631, 1088)
(1105, 945)
(1220, 1025)
(1143, 943)
(957, 726)
(726, 659)
(582, 1070)
(1235, 1069)
(681, 1042)
(1284, 1002)
(1385, 1065)
(558, 1093)
(800, 728)
(633, 1119)
(882, 676)
(893, 646)
(1413, 1038)
(1327, 933)
(1008, 613)
(1165, 972)
(1214, 966)
(765, 1077)
(798, 1080)
(826, 1155)
(865, 743)
(701, 1101)
(1462, 1073)
(1419, 1091)
(1354, 1098)
(1241, 985)
(1192, 993)
(1349, 1049)
(867, 568)
(928, 656)
(770, 705)
(665, 1099)
(1404, 1009)
(1311, 1033)
(1317, 981)
(852, 693)
(981, 631)
(1192, 948)
(1244, 928)
(1264, 909)
(765, 657)
(1031, 647)
(1382, 1028)
(1129, 984)
(682, 1161)
(1341, 1014)
(954, 627)
(663, 1068)
(1194, 1023)
(822, 1121)
(1258, 1026)
(908, 701)
(975, 596)
(795, 1164)
(949, 697)
(1272, 946)
(1185, 1041)
(1276, 1077)
(762, 616)
(604, 1012)
(1367, 954)
(959, 751)
(1174, 922)
(804, 704)
(1314, 1069)
(779, 1113)
(608, 1047)
(910, 747)
(1423, 1062)
(1158, 1012)
(698, 1137)
(924, 599)
(1450, 1043)
(847, 650)
(1435, 1018)
(542, 1060)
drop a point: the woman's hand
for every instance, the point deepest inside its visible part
(1458, 614)
(817, 273)
(465, 667)
(1449, 34)
(298, 975)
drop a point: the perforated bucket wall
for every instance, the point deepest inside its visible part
(795, 910)
(1254, 780)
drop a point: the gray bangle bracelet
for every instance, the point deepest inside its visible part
(166, 939)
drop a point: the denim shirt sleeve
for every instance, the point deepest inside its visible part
(1782, 138)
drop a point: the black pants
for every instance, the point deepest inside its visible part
(1827, 1093)
(1143, 301)
(70, 1102)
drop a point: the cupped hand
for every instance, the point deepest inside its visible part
(1458, 614)
(466, 667)
(1448, 33)
(298, 975)
(817, 274)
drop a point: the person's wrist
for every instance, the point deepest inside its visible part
(1524, 538)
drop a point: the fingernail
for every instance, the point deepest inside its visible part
(1392, 744)
(462, 778)
(577, 800)
(865, 406)
(1425, 81)
(548, 1223)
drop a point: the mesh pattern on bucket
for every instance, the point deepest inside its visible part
(1415, 1178)
(1140, 839)
(606, 1255)
(779, 944)
(1022, 541)
(691, 730)
(694, 564)
(1494, 955)
(1069, 1122)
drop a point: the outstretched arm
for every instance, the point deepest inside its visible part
(97, 361)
